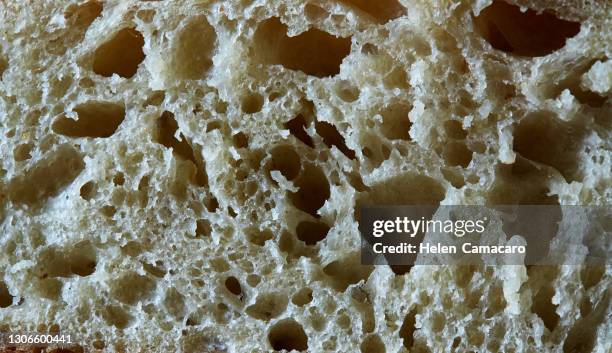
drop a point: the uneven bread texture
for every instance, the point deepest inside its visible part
(185, 175)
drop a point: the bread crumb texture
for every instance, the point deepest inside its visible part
(185, 175)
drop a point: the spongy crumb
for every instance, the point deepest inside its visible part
(189, 174)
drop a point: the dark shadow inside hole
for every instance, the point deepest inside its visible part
(528, 33)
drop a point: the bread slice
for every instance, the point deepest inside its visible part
(184, 175)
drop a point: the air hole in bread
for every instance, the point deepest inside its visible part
(288, 335)
(475, 336)
(6, 299)
(49, 288)
(233, 286)
(585, 307)
(372, 344)
(268, 306)
(219, 264)
(82, 259)
(573, 82)
(22, 152)
(289, 245)
(357, 182)
(406, 331)
(220, 106)
(251, 103)
(313, 190)
(543, 307)
(330, 344)
(174, 302)
(86, 82)
(143, 191)
(302, 297)
(582, 337)
(50, 175)
(296, 127)
(400, 270)
(253, 280)
(314, 12)
(231, 212)
(311, 232)
(368, 319)
(33, 117)
(203, 228)
(382, 11)
(165, 134)
(454, 177)
(454, 130)
(332, 137)
(155, 99)
(457, 342)
(286, 160)
(3, 66)
(194, 319)
(405, 189)
(590, 275)
(343, 320)
(121, 55)
(146, 16)
(241, 140)
(84, 14)
(457, 154)
(193, 49)
(369, 49)
(585, 97)
(132, 248)
(395, 123)
(496, 301)
(528, 33)
(396, 78)
(78, 18)
(211, 203)
(543, 138)
(521, 183)
(115, 315)
(375, 150)
(313, 52)
(346, 271)
(157, 269)
(464, 274)
(130, 287)
(94, 119)
(78, 260)
(347, 91)
(538, 234)
(257, 236)
(108, 211)
(98, 344)
(119, 179)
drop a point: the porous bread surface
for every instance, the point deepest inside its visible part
(185, 175)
